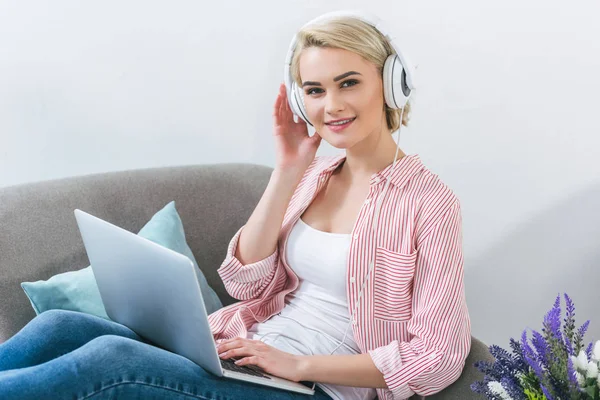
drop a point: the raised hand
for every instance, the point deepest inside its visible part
(295, 148)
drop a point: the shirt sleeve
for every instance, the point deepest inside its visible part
(439, 326)
(248, 281)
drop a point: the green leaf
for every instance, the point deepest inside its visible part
(534, 395)
(590, 390)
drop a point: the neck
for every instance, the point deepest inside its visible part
(369, 157)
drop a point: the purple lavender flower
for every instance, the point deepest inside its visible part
(483, 388)
(583, 329)
(479, 387)
(569, 346)
(571, 373)
(579, 336)
(552, 322)
(513, 387)
(589, 350)
(542, 364)
(520, 364)
(485, 366)
(542, 348)
(570, 306)
(546, 393)
(505, 369)
(530, 357)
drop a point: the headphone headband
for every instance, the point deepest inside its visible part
(364, 16)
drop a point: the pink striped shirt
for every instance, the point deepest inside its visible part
(412, 318)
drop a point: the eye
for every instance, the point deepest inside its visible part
(353, 81)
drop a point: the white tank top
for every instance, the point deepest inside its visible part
(315, 315)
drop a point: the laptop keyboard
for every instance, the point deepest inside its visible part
(248, 369)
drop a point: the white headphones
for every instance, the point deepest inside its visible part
(398, 74)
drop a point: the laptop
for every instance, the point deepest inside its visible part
(154, 291)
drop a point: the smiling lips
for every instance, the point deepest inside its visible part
(340, 121)
(338, 127)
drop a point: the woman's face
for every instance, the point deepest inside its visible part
(339, 84)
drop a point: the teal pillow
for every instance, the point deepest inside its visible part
(77, 290)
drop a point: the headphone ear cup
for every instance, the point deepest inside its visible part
(298, 103)
(395, 89)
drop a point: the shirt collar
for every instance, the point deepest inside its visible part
(398, 174)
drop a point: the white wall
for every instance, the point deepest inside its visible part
(506, 113)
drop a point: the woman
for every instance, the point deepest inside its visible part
(308, 266)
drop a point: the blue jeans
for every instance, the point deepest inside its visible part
(71, 355)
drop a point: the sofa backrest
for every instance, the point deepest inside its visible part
(39, 236)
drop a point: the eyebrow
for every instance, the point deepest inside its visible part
(337, 78)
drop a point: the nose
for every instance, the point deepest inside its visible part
(333, 104)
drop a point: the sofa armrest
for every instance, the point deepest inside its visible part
(461, 388)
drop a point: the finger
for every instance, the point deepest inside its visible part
(239, 347)
(289, 115)
(226, 354)
(283, 104)
(277, 105)
(252, 360)
(238, 352)
(229, 344)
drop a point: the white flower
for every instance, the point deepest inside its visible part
(575, 362)
(497, 389)
(596, 351)
(582, 360)
(580, 378)
(592, 370)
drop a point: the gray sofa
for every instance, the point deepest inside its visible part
(39, 236)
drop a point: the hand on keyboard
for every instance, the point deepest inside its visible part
(271, 360)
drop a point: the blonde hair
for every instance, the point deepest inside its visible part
(354, 35)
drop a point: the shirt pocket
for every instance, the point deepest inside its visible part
(393, 285)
